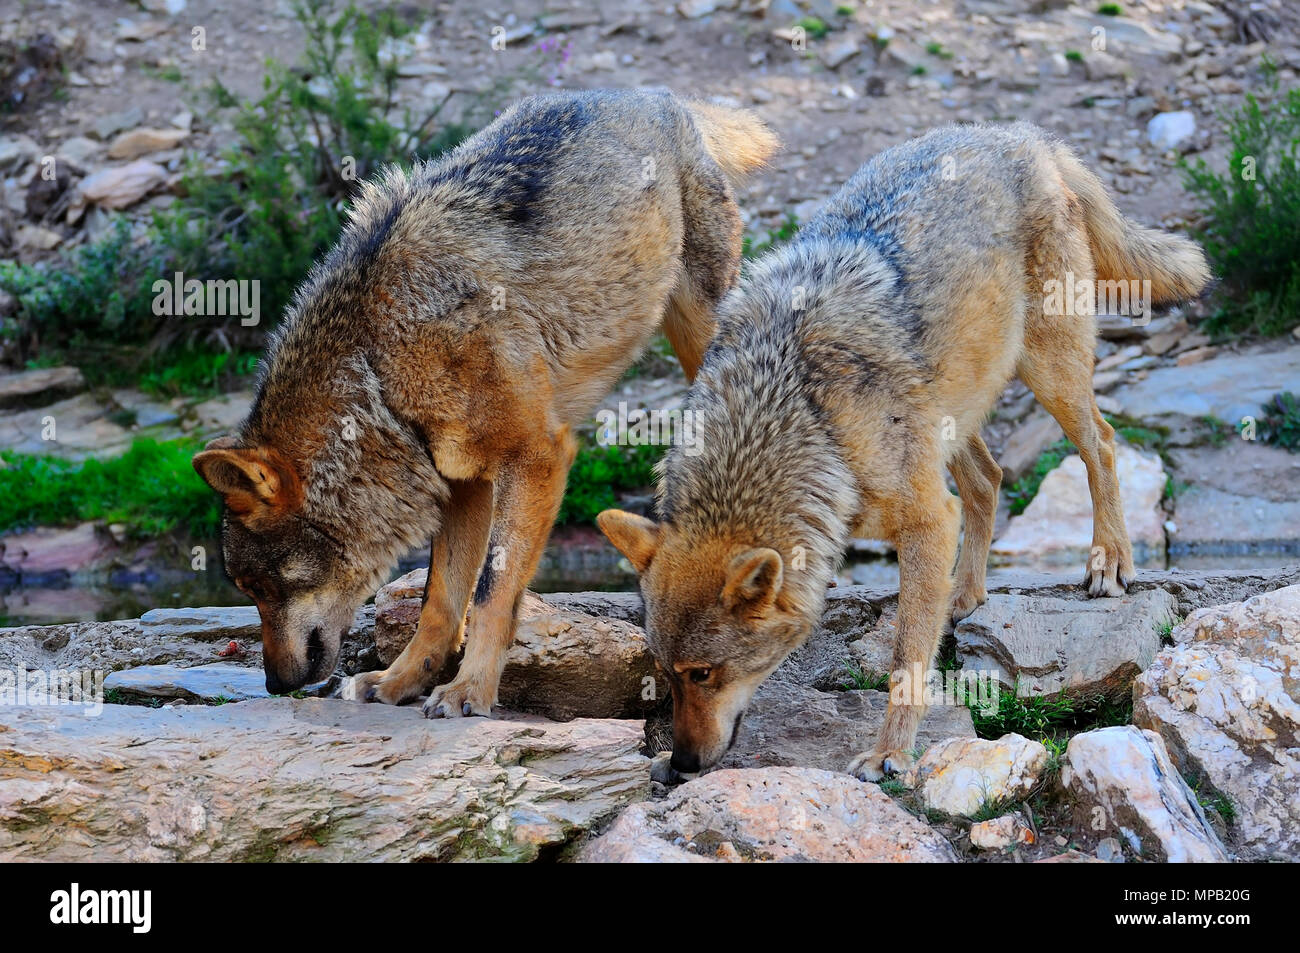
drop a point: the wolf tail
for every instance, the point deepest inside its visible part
(737, 139)
(1123, 250)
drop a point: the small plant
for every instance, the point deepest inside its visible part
(1165, 630)
(815, 27)
(864, 681)
(919, 69)
(936, 49)
(1280, 422)
(1110, 10)
(1251, 217)
(788, 229)
(1074, 56)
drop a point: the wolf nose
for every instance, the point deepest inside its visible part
(685, 763)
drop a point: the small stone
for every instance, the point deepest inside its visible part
(1168, 131)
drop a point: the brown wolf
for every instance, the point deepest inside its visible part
(427, 379)
(849, 370)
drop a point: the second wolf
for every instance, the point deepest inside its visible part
(849, 371)
(427, 380)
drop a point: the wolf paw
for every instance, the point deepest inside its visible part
(878, 765)
(1108, 573)
(385, 687)
(964, 603)
(457, 699)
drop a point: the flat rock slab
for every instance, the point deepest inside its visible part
(1230, 387)
(1226, 700)
(219, 682)
(789, 725)
(1056, 527)
(40, 386)
(1124, 785)
(1040, 645)
(770, 814)
(309, 779)
(1236, 499)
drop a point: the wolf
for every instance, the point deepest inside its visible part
(427, 380)
(850, 369)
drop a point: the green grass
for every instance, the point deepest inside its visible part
(1250, 218)
(788, 229)
(1022, 491)
(151, 488)
(936, 49)
(1048, 716)
(1110, 10)
(859, 680)
(1074, 56)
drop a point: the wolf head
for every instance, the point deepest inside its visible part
(720, 618)
(305, 582)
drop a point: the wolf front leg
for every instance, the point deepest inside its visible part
(455, 558)
(927, 547)
(528, 495)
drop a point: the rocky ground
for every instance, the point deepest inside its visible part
(188, 758)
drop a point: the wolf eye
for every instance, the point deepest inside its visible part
(700, 675)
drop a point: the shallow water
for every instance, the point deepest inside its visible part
(566, 567)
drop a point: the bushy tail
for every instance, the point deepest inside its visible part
(1123, 250)
(737, 139)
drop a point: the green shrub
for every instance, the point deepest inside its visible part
(267, 213)
(152, 488)
(1280, 423)
(1251, 227)
(599, 472)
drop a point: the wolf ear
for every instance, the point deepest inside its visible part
(753, 580)
(250, 479)
(634, 536)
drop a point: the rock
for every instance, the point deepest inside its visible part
(562, 663)
(1041, 645)
(1123, 783)
(209, 624)
(769, 814)
(1056, 527)
(1230, 387)
(962, 775)
(217, 682)
(1168, 131)
(791, 725)
(1027, 443)
(305, 779)
(1071, 857)
(111, 123)
(1100, 66)
(1238, 500)
(694, 9)
(49, 550)
(118, 187)
(605, 60)
(16, 151)
(37, 237)
(40, 386)
(1001, 833)
(1226, 701)
(141, 142)
(839, 51)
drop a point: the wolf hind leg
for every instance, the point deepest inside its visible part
(978, 479)
(1057, 366)
(711, 242)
